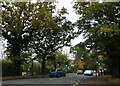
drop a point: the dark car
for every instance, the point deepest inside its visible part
(57, 73)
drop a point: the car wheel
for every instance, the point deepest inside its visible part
(51, 76)
(59, 76)
(64, 75)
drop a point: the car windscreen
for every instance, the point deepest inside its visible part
(59, 70)
(52, 70)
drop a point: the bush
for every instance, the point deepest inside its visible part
(8, 68)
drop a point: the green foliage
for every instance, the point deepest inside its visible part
(31, 27)
(57, 60)
(9, 68)
(82, 53)
(55, 33)
(36, 68)
(100, 23)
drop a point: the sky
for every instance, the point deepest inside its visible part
(71, 16)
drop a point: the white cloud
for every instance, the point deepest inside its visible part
(68, 5)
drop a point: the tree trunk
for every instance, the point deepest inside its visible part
(116, 70)
(31, 68)
(43, 65)
(16, 58)
(17, 68)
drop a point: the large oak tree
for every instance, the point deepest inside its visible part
(32, 27)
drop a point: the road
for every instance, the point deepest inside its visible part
(70, 79)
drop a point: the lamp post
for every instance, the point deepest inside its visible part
(97, 62)
(97, 66)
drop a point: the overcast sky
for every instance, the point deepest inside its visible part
(72, 17)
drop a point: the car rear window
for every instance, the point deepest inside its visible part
(59, 70)
(52, 70)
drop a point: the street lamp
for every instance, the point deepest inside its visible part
(97, 66)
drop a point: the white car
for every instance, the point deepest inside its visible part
(88, 72)
(79, 71)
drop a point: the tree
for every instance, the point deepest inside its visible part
(100, 22)
(31, 27)
(56, 35)
(84, 59)
(19, 21)
(15, 31)
(57, 60)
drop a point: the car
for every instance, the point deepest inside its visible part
(88, 72)
(57, 73)
(79, 71)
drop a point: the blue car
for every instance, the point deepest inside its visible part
(57, 73)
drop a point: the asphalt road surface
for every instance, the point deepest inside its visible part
(69, 80)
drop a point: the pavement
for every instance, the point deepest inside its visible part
(101, 80)
(23, 77)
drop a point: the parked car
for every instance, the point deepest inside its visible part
(79, 71)
(88, 72)
(57, 73)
